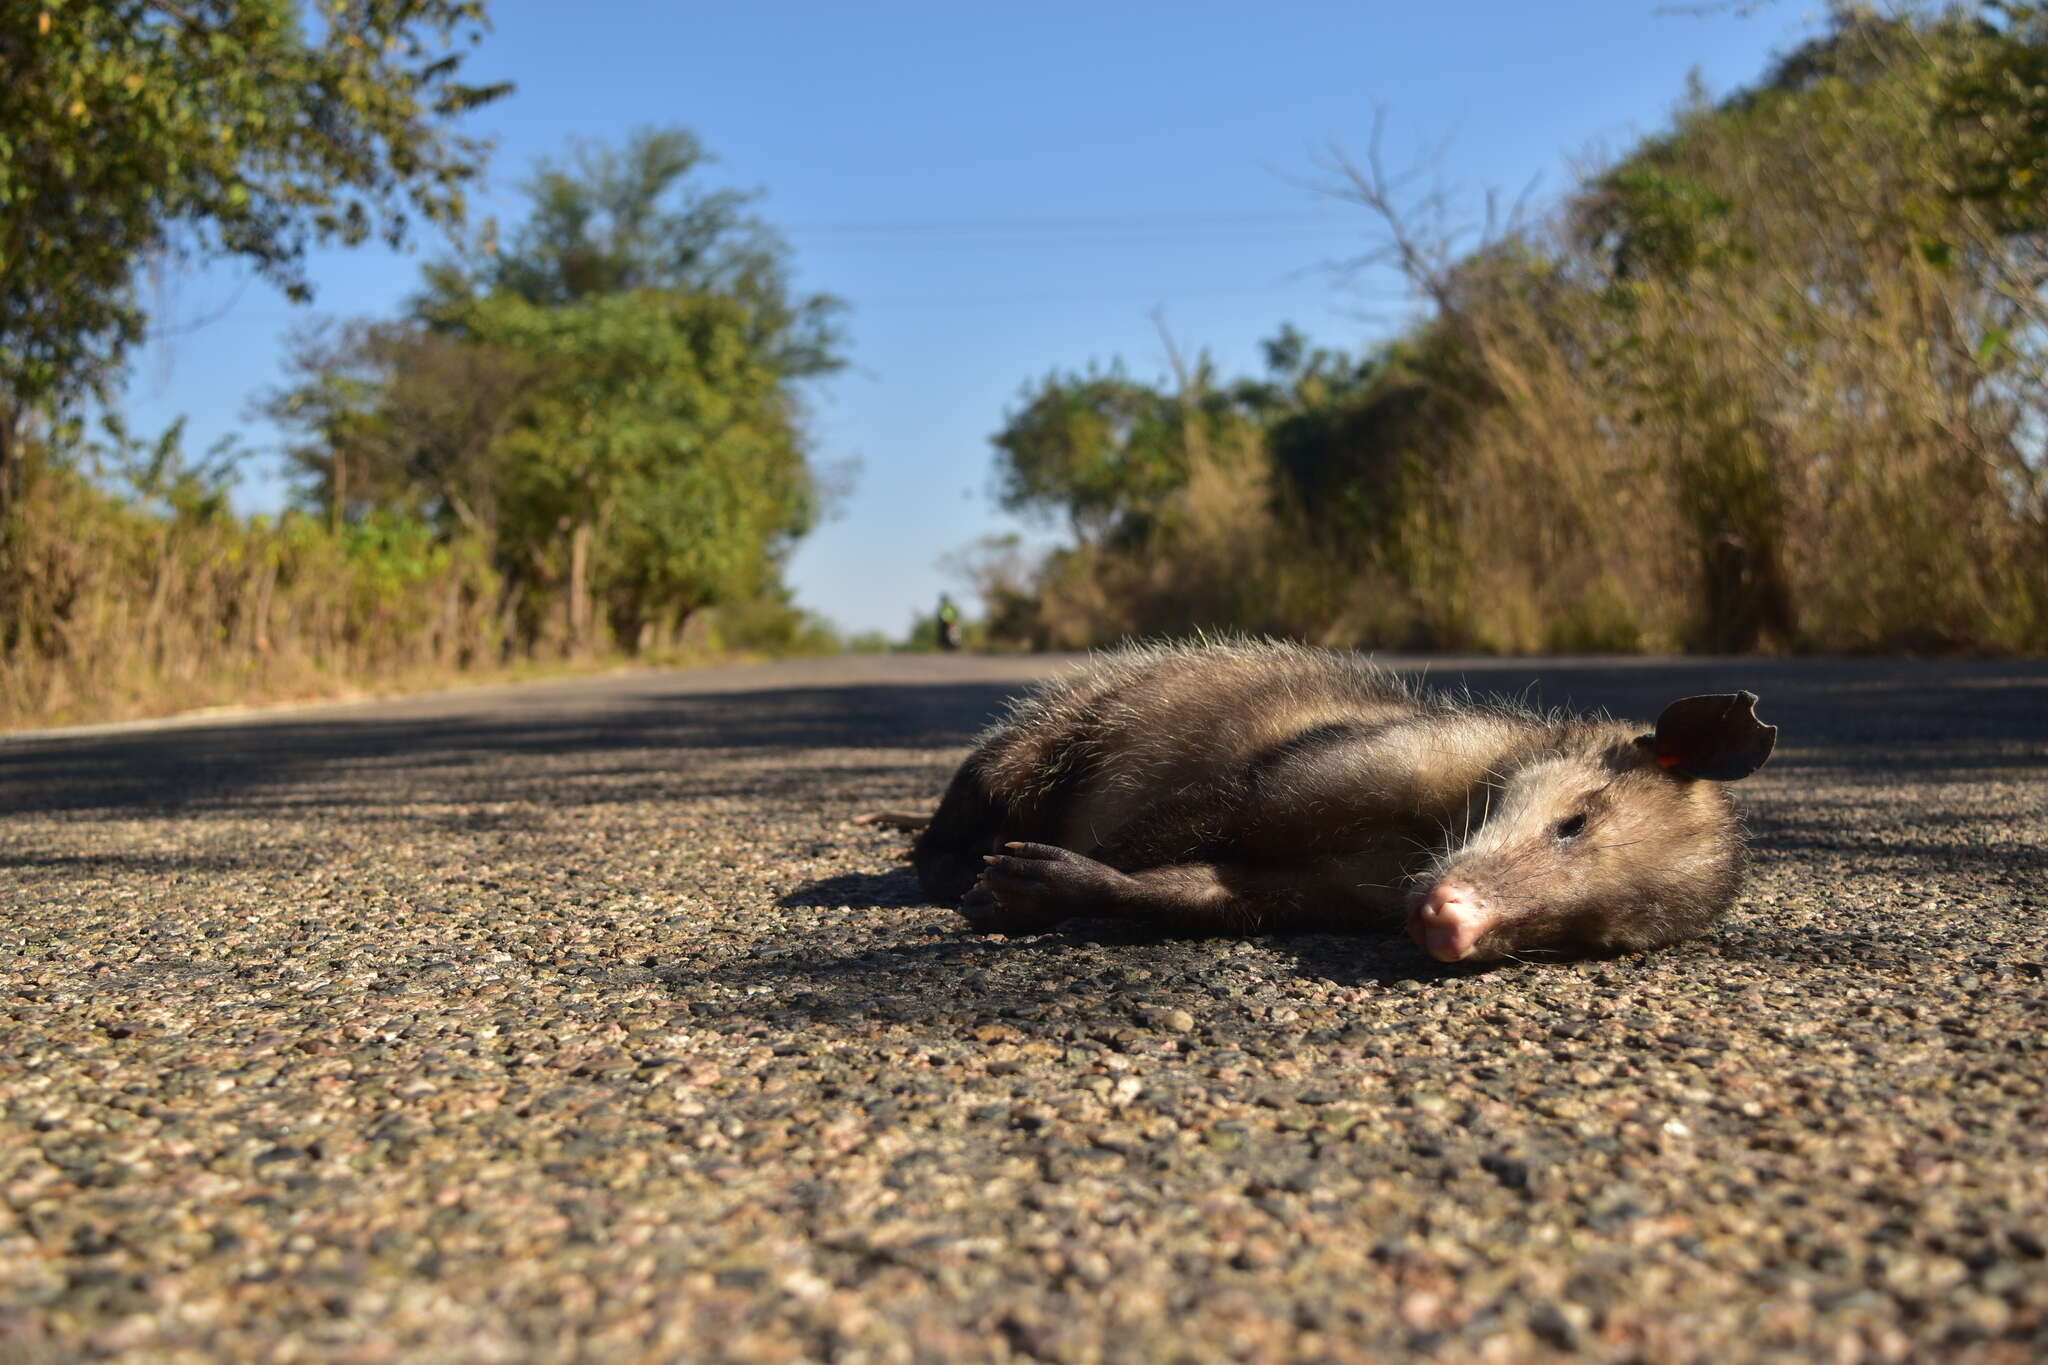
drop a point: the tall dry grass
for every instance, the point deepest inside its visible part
(109, 608)
(1767, 383)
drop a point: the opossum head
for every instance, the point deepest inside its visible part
(1602, 843)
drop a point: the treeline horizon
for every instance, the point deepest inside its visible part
(581, 439)
(1771, 380)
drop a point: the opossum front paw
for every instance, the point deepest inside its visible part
(1048, 883)
(987, 915)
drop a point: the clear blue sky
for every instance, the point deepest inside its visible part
(1001, 189)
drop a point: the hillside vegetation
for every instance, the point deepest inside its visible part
(1771, 381)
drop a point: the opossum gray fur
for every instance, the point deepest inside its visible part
(1246, 785)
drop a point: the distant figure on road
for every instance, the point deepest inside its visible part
(949, 623)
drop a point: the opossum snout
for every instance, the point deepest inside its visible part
(1448, 920)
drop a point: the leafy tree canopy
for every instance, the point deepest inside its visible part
(611, 400)
(2001, 95)
(135, 130)
(613, 220)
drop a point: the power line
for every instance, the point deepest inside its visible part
(1058, 243)
(1043, 225)
(1166, 296)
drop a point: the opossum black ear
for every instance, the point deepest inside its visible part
(1716, 737)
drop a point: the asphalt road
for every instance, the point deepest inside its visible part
(575, 1022)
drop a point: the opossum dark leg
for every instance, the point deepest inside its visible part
(1038, 885)
(947, 855)
(1170, 830)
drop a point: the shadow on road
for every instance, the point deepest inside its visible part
(1081, 975)
(338, 760)
(1380, 955)
(861, 890)
(1960, 853)
(146, 864)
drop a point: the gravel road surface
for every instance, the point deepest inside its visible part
(574, 1022)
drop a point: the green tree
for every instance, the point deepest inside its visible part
(1107, 450)
(396, 416)
(656, 464)
(614, 220)
(1095, 447)
(134, 131)
(659, 464)
(611, 400)
(1999, 94)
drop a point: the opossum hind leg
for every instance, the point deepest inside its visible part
(909, 821)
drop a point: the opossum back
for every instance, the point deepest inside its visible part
(1157, 710)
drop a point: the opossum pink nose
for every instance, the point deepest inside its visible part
(1448, 922)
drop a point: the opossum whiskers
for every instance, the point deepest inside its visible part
(1427, 850)
(1528, 956)
(1487, 770)
(1494, 782)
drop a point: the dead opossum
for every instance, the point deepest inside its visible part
(1256, 785)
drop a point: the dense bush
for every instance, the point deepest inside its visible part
(125, 605)
(1775, 380)
(609, 402)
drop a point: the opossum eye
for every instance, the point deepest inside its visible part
(1572, 826)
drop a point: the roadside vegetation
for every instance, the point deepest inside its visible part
(582, 442)
(1772, 380)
